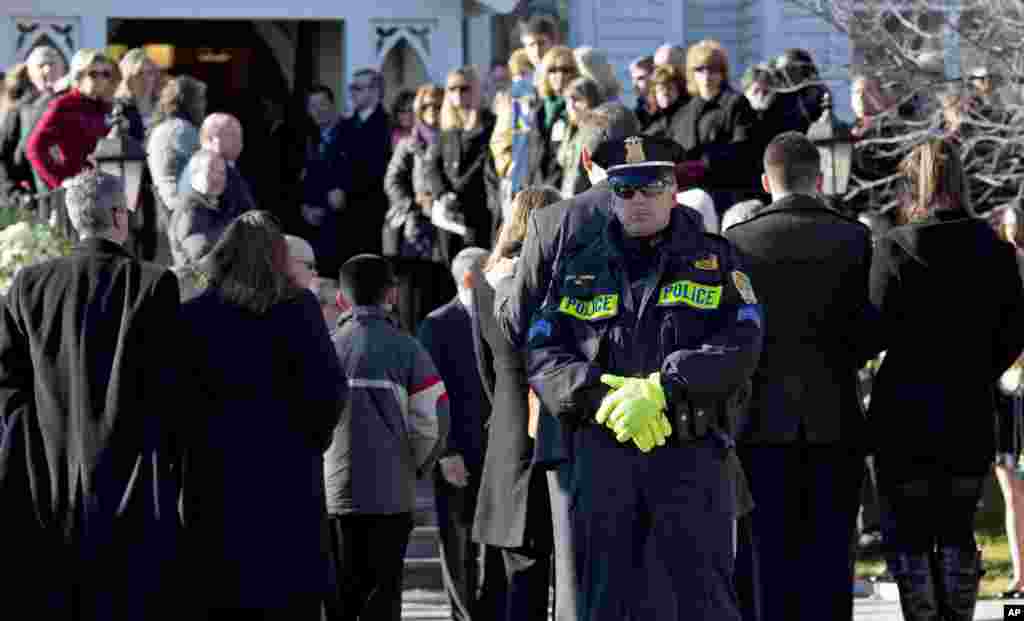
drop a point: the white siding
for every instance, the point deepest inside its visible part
(627, 29)
(716, 19)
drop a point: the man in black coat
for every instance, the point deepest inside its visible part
(90, 460)
(366, 137)
(447, 335)
(800, 439)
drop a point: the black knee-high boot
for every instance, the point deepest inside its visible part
(957, 588)
(913, 573)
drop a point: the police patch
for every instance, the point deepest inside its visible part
(709, 263)
(600, 307)
(541, 327)
(690, 293)
(749, 312)
(743, 285)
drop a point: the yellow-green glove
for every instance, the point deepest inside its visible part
(637, 419)
(628, 387)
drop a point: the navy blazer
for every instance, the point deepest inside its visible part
(447, 335)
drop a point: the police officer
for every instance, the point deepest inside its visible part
(643, 335)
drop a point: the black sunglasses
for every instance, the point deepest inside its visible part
(562, 69)
(627, 190)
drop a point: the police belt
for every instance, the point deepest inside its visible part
(693, 424)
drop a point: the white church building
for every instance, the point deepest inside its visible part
(269, 45)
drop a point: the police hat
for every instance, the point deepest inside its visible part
(639, 154)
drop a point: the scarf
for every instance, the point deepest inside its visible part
(554, 108)
(424, 134)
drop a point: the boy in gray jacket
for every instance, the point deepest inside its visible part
(391, 433)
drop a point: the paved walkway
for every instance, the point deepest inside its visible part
(419, 605)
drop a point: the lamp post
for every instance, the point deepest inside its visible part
(834, 141)
(121, 155)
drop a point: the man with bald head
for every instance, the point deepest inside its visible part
(45, 67)
(668, 54)
(222, 134)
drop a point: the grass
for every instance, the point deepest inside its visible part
(989, 528)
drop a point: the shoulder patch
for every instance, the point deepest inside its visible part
(709, 263)
(541, 327)
(742, 282)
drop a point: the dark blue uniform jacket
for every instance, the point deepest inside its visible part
(696, 321)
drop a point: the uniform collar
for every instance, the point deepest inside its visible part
(679, 238)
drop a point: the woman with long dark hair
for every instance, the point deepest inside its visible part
(951, 301)
(407, 228)
(513, 511)
(268, 390)
(173, 139)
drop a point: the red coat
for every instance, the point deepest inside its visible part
(66, 135)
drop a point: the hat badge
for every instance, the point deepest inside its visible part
(635, 150)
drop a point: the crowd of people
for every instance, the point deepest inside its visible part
(644, 394)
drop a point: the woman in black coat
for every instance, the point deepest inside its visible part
(461, 169)
(268, 393)
(513, 510)
(716, 129)
(407, 229)
(951, 300)
(667, 88)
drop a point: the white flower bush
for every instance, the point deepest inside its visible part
(27, 243)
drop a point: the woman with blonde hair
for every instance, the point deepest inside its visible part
(460, 169)
(716, 129)
(513, 510)
(557, 69)
(593, 64)
(581, 96)
(140, 84)
(74, 122)
(407, 228)
(932, 486)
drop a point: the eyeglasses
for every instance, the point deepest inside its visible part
(356, 88)
(705, 69)
(460, 88)
(563, 69)
(96, 75)
(627, 190)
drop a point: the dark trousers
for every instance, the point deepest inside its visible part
(370, 561)
(748, 571)
(472, 596)
(925, 514)
(806, 499)
(559, 489)
(528, 578)
(676, 501)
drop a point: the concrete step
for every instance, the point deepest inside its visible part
(423, 573)
(425, 514)
(423, 543)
